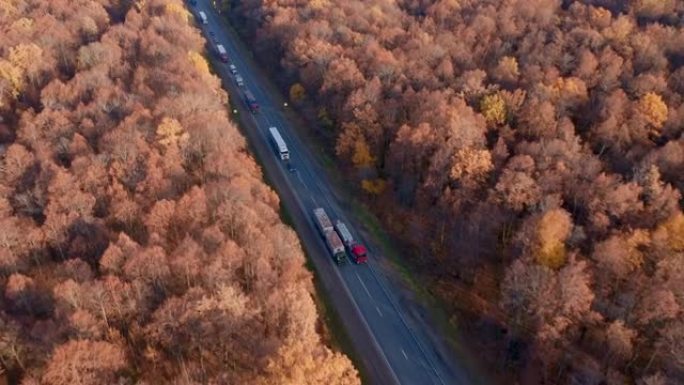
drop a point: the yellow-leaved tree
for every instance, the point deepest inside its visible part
(179, 10)
(13, 76)
(493, 108)
(170, 132)
(671, 233)
(374, 186)
(652, 106)
(362, 156)
(507, 69)
(471, 164)
(353, 144)
(199, 62)
(552, 231)
(297, 93)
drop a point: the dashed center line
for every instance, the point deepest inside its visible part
(364, 285)
(404, 353)
(379, 312)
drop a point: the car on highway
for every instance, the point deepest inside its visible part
(211, 33)
(239, 80)
(233, 69)
(291, 167)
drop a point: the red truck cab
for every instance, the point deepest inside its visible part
(359, 253)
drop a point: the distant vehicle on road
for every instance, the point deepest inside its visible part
(332, 240)
(222, 53)
(358, 251)
(279, 144)
(251, 102)
(291, 167)
(239, 80)
(233, 69)
(203, 17)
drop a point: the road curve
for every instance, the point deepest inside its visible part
(390, 348)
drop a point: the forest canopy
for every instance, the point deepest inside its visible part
(138, 242)
(531, 152)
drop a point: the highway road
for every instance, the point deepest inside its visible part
(389, 345)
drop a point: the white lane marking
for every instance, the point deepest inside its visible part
(379, 312)
(364, 285)
(404, 353)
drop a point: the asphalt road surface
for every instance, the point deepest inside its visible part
(391, 348)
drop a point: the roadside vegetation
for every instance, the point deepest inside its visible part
(138, 242)
(529, 153)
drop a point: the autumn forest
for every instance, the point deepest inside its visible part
(138, 243)
(529, 152)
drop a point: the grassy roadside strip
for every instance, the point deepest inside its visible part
(414, 281)
(331, 327)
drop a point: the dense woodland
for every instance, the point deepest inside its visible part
(533, 154)
(138, 243)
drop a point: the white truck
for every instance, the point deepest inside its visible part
(280, 146)
(332, 240)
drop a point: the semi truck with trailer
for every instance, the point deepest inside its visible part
(279, 144)
(358, 252)
(332, 240)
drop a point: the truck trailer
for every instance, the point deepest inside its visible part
(322, 221)
(279, 144)
(336, 247)
(358, 252)
(327, 231)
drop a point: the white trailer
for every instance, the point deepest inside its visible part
(345, 234)
(279, 144)
(203, 17)
(358, 251)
